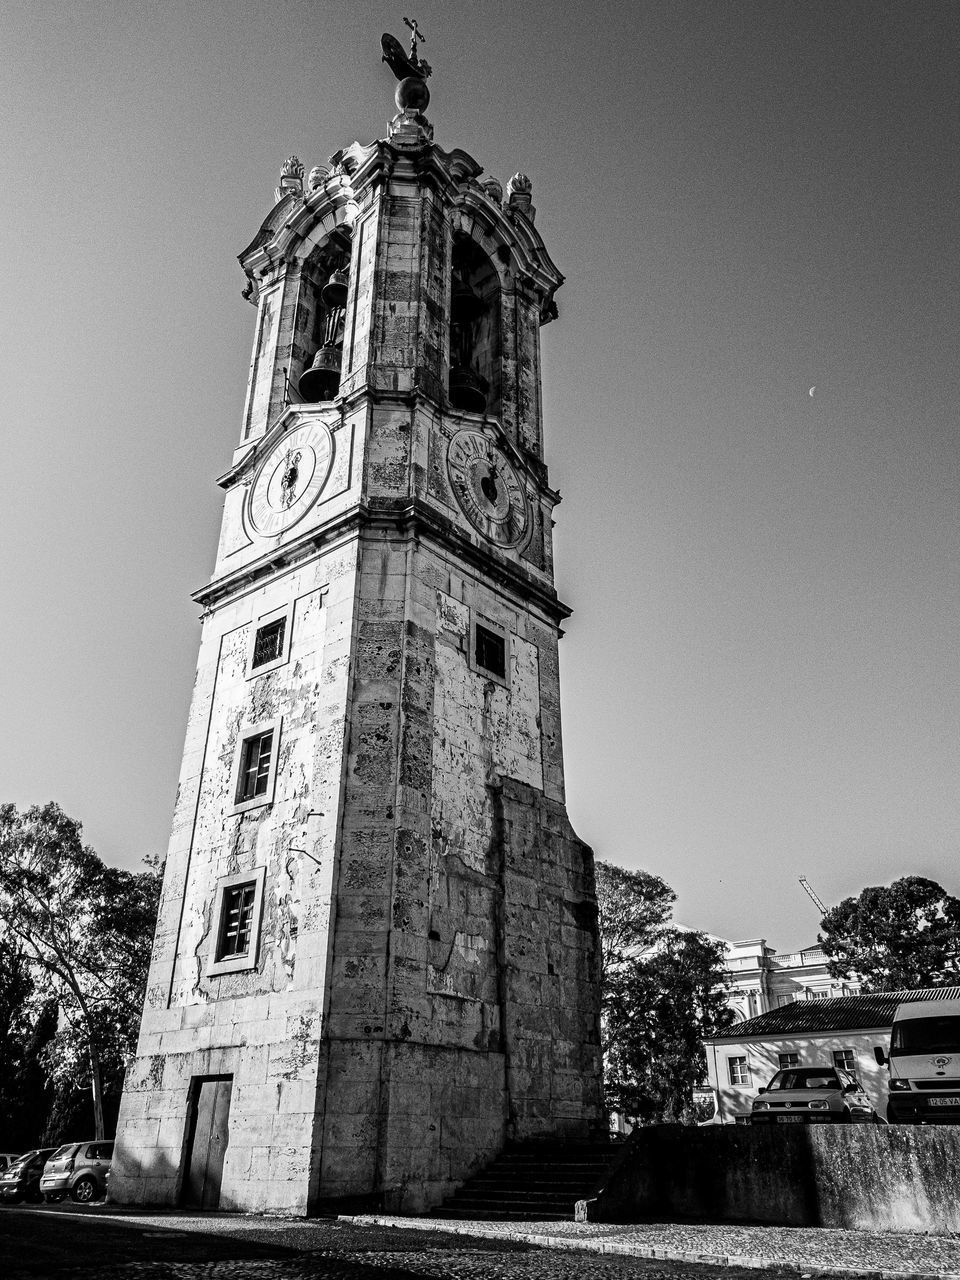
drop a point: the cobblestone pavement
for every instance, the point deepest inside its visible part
(807, 1250)
(93, 1244)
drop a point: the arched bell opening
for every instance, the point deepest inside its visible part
(474, 385)
(320, 318)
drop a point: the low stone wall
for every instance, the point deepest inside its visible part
(874, 1177)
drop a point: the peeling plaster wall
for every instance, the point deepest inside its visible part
(263, 1026)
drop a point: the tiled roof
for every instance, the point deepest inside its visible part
(845, 1013)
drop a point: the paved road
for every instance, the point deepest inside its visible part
(90, 1244)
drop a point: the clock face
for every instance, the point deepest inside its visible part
(289, 479)
(488, 489)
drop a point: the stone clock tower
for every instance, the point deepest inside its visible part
(376, 958)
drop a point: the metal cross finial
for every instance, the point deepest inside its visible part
(415, 35)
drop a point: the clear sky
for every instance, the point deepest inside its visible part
(749, 199)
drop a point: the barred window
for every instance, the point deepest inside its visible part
(236, 921)
(268, 645)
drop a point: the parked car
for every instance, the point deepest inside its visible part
(7, 1158)
(813, 1095)
(21, 1181)
(78, 1169)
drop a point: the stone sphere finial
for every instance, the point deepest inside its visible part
(412, 94)
(493, 187)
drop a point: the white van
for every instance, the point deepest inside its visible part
(924, 1063)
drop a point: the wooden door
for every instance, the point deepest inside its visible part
(208, 1142)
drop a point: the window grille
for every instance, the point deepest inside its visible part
(255, 766)
(236, 921)
(268, 645)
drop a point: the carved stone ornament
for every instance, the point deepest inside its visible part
(316, 176)
(493, 188)
(519, 195)
(291, 178)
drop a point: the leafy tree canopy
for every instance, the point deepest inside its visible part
(85, 931)
(895, 937)
(664, 990)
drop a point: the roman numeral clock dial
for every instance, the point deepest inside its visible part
(487, 488)
(289, 480)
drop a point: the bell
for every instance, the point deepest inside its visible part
(322, 379)
(334, 292)
(468, 390)
(465, 304)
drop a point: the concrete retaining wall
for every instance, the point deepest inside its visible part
(881, 1178)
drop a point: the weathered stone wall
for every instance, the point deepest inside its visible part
(261, 1025)
(426, 980)
(865, 1177)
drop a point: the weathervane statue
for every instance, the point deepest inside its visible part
(411, 70)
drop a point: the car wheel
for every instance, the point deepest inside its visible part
(84, 1190)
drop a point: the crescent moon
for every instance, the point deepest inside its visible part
(812, 390)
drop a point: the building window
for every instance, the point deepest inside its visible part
(845, 1060)
(787, 1060)
(738, 1070)
(237, 910)
(490, 650)
(236, 921)
(268, 642)
(255, 767)
(817, 995)
(782, 1001)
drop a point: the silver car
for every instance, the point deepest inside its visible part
(77, 1169)
(813, 1095)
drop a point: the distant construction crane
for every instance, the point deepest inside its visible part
(812, 896)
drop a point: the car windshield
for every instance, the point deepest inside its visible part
(926, 1035)
(805, 1078)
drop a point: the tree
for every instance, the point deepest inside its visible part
(664, 990)
(895, 937)
(634, 909)
(85, 929)
(27, 1024)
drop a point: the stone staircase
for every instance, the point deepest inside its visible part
(540, 1180)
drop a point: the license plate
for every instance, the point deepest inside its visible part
(790, 1119)
(944, 1102)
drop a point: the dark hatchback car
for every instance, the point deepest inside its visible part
(813, 1095)
(22, 1180)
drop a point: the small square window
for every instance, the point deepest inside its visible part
(738, 1070)
(490, 651)
(788, 1060)
(268, 641)
(255, 766)
(845, 1060)
(236, 922)
(268, 644)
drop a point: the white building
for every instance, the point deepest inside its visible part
(761, 978)
(839, 1031)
